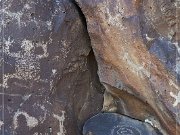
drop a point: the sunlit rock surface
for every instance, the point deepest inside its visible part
(136, 47)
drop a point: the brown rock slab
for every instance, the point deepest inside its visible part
(136, 48)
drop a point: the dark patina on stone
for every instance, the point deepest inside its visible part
(116, 124)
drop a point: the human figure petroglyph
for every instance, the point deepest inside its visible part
(61, 120)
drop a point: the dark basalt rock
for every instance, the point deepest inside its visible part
(48, 73)
(116, 124)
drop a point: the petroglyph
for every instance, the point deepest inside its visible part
(65, 49)
(11, 15)
(49, 25)
(61, 120)
(154, 123)
(115, 20)
(125, 130)
(177, 98)
(40, 133)
(149, 38)
(1, 124)
(150, 122)
(18, 16)
(42, 117)
(25, 98)
(27, 6)
(54, 71)
(177, 68)
(136, 68)
(171, 83)
(31, 121)
(27, 63)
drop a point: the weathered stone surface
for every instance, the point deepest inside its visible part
(49, 83)
(115, 124)
(136, 46)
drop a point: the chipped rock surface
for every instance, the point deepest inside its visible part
(136, 44)
(48, 80)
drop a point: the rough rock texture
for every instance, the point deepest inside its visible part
(49, 83)
(136, 46)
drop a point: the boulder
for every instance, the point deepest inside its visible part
(136, 47)
(116, 124)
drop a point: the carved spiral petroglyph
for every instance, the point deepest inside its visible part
(125, 130)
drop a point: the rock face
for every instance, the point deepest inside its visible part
(49, 83)
(136, 46)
